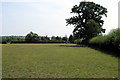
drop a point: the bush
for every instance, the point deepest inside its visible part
(78, 41)
(42, 41)
(99, 40)
(112, 40)
(18, 41)
(114, 36)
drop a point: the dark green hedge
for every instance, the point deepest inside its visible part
(42, 41)
(110, 41)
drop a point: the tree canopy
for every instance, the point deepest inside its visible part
(32, 37)
(71, 39)
(87, 20)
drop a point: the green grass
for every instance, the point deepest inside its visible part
(53, 61)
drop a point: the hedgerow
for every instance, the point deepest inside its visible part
(78, 41)
(111, 40)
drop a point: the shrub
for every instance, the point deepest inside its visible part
(78, 41)
(112, 40)
(99, 40)
(114, 36)
(18, 41)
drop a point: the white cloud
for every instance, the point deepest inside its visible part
(54, 13)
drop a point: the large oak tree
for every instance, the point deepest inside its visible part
(87, 20)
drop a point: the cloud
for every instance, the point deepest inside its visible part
(50, 15)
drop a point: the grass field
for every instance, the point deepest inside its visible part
(54, 61)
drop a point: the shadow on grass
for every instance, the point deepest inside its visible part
(73, 45)
(111, 52)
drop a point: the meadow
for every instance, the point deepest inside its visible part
(55, 61)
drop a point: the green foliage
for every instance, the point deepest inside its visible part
(99, 40)
(65, 38)
(58, 38)
(44, 38)
(18, 41)
(92, 29)
(88, 19)
(110, 40)
(38, 39)
(32, 37)
(53, 38)
(0, 39)
(114, 36)
(11, 39)
(71, 39)
(78, 41)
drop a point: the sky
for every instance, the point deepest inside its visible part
(47, 17)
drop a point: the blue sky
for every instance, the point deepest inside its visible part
(47, 17)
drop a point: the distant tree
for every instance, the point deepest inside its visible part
(71, 39)
(32, 37)
(42, 38)
(65, 38)
(9, 39)
(58, 38)
(88, 20)
(53, 38)
(45, 38)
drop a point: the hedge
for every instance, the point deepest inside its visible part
(42, 41)
(111, 40)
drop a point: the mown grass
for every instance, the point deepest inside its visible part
(54, 61)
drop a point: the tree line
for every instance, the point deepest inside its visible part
(33, 38)
(88, 23)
